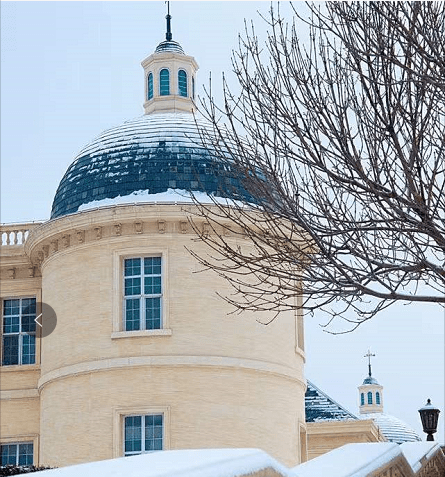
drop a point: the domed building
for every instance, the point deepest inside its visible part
(330, 425)
(371, 407)
(141, 353)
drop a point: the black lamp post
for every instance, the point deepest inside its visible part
(429, 416)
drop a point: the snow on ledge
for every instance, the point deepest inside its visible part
(177, 463)
(415, 451)
(172, 196)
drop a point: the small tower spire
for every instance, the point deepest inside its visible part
(369, 355)
(168, 35)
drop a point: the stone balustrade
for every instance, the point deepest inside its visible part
(16, 234)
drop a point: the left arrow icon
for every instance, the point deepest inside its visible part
(37, 320)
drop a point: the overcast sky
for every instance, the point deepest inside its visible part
(69, 70)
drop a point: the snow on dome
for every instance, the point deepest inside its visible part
(392, 428)
(152, 153)
(172, 196)
(169, 46)
(370, 380)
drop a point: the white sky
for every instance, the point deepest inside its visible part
(69, 70)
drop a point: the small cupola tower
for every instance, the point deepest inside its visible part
(170, 77)
(370, 392)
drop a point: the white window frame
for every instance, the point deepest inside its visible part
(118, 309)
(143, 450)
(20, 333)
(119, 425)
(142, 296)
(17, 455)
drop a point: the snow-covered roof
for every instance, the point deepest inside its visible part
(177, 463)
(153, 153)
(351, 460)
(394, 429)
(320, 407)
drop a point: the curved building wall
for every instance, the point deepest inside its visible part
(220, 380)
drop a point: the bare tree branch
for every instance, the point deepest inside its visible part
(341, 144)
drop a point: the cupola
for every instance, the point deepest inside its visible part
(370, 392)
(169, 77)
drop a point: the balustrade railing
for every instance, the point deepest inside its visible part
(16, 234)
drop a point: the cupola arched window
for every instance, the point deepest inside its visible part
(370, 397)
(150, 86)
(193, 87)
(182, 83)
(164, 82)
(362, 399)
(377, 397)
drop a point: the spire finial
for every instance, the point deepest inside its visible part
(168, 35)
(369, 355)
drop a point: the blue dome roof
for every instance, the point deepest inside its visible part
(169, 46)
(154, 152)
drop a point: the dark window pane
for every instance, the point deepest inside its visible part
(152, 285)
(133, 434)
(132, 286)
(152, 313)
(150, 86)
(28, 349)
(182, 83)
(29, 306)
(25, 454)
(132, 314)
(11, 324)
(132, 267)
(9, 454)
(11, 307)
(164, 80)
(157, 444)
(29, 324)
(10, 350)
(157, 420)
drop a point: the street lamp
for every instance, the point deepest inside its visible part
(429, 416)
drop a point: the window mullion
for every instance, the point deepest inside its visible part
(143, 434)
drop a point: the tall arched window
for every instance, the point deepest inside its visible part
(150, 86)
(182, 83)
(164, 82)
(193, 87)
(362, 399)
(377, 397)
(370, 397)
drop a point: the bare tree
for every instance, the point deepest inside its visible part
(341, 143)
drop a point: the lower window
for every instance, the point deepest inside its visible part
(143, 433)
(17, 454)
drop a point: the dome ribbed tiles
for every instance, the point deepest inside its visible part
(392, 428)
(155, 152)
(169, 47)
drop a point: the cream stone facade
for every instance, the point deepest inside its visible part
(218, 380)
(166, 367)
(163, 367)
